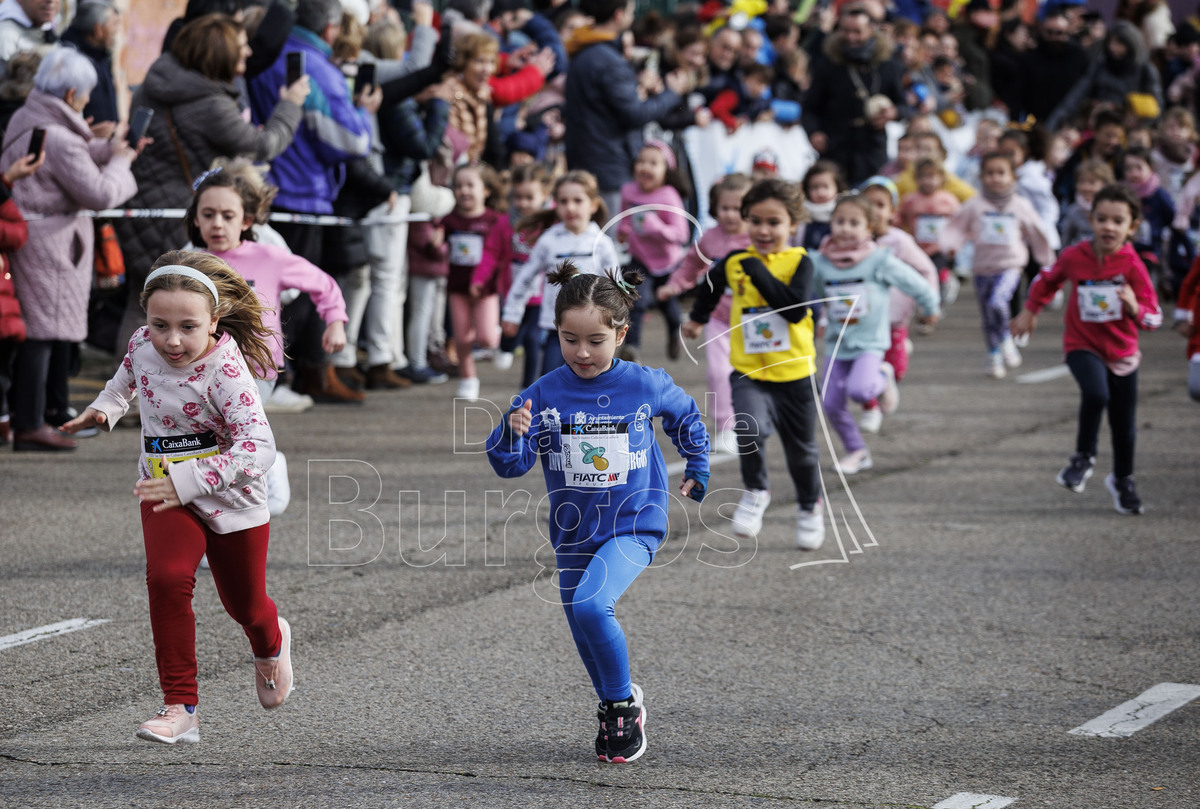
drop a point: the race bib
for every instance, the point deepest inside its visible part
(929, 228)
(1100, 301)
(161, 450)
(999, 228)
(764, 330)
(849, 304)
(466, 249)
(595, 455)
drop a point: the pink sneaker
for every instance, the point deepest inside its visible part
(171, 724)
(273, 675)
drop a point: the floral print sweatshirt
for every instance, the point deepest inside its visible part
(206, 421)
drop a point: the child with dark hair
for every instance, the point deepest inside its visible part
(591, 423)
(1113, 298)
(924, 213)
(1157, 219)
(1076, 222)
(821, 184)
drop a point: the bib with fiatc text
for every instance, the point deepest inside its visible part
(764, 330)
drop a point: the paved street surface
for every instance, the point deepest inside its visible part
(966, 617)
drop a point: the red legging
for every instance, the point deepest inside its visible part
(175, 540)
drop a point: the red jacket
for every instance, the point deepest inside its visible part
(13, 234)
(1102, 327)
(1188, 307)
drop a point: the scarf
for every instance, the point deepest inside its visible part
(862, 53)
(1083, 203)
(820, 211)
(585, 36)
(1002, 199)
(1147, 188)
(846, 256)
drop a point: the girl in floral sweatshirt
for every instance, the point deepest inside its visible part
(206, 447)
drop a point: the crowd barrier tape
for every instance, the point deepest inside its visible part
(296, 218)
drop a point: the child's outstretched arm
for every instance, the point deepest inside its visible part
(793, 299)
(1041, 292)
(91, 417)
(708, 294)
(681, 420)
(511, 447)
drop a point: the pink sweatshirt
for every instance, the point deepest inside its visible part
(655, 238)
(1000, 236)
(210, 414)
(901, 307)
(714, 245)
(924, 216)
(270, 270)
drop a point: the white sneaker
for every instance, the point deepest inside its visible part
(468, 389)
(995, 366)
(871, 420)
(889, 400)
(1058, 301)
(285, 400)
(748, 517)
(1008, 350)
(279, 488)
(810, 528)
(483, 354)
(950, 289)
(273, 677)
(857, 461)
(503, 360)
(725, 442)
(909, 346)
(172, 723)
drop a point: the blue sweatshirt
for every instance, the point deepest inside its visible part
(605, 473)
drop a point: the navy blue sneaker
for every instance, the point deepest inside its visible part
(423, 375)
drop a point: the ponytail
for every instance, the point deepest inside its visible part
(612, 293)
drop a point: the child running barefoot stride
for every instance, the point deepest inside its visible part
(1113, 299)
(206, 447)
(772, 354)
(590, 420)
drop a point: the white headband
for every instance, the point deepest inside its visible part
(177, 269)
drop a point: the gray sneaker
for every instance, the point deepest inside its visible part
(1075, 474)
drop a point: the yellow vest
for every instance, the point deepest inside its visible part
(907, 183)
(796, 357)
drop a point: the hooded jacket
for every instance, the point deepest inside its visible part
(835, 108)
(603, 114)
(1109, 81)
(1049, 72)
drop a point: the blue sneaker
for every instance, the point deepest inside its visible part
(423, 375)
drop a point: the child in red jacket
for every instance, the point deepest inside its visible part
(1187, 316)
(1113, 298)
(13, 234)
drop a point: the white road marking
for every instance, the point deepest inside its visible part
(1044, 375)
(49, 631)
(971, 800)
(1130, 717)
(713, 460)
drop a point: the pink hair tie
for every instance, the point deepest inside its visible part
(668, 155)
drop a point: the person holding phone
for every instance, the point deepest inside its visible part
(52, 274)
(191, 97)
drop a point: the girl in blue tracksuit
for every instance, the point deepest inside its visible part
(590, 421)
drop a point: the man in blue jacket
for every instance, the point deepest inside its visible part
(603, 114)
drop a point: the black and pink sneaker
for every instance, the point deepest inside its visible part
(624, 724)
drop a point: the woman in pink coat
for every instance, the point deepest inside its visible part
(53, 271)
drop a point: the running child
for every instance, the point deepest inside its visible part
(530, 190)
(856, 274)
(206, 447)
(572, 233)
(772, 354)
(474, 230)
(591, 421)
(655, 238)
(1076, 223)
(1186, 320)
(730, 234)
(1002, 226)
(924, 213)
(1113, 298)
(822, 183)
(881, 193)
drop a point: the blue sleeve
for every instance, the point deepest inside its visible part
(513, 455)
(543, 32)
(898, 274)
(682, 422)
(339, 130)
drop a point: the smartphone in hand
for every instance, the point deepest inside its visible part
(295, 67)
(365, 78)
(37, 140)
(139, 125)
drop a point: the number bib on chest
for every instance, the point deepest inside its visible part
(161, 450)
(1100, 301)
(849, 301)
(929, 228)
(595, 455)
(466, 249)
(999, 228)
(764, 330)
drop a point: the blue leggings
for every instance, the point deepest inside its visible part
(590, 584)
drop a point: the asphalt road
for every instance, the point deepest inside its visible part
(965, 618)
